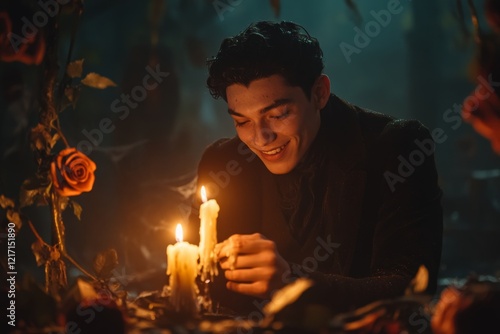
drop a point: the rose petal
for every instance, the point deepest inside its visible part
(74, 172)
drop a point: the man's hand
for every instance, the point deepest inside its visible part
(252, 265)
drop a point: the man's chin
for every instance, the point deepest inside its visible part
(278, 168)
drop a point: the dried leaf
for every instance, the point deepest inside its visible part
(69, 92)
(53, 140)
(77, 209)
(41, 252)
(14, 217)
(105, 262)
(72, 94)
(6, 202)
(75, 69)
(97, 81)
(40, 138)
(29, 197)
(63, 202)
(32, 191)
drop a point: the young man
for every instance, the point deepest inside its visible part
(313, 186)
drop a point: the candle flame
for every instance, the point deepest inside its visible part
(178, 233)
(203, 194)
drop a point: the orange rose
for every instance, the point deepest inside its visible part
(72, 172)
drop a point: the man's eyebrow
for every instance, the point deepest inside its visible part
(275, 104)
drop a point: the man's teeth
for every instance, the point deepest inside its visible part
(275, 151)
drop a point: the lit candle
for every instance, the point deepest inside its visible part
(209, 211)
(182, 260)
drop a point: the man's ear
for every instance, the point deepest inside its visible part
(321, 91)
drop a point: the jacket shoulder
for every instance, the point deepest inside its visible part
(377, 127)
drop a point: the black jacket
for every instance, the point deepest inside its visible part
(359, 214)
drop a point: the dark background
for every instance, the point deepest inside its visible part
(416, 66)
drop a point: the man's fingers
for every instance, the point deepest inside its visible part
(247, 244)
(248, 275)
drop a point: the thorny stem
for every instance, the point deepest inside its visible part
(66, 255)
(58, 224)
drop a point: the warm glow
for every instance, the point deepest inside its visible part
(203, 194)
(178, 233)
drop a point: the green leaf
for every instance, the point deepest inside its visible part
(97, 81)
(105, 262)
(41, 252)
(6, 202)
(77, 209)
(75, 69)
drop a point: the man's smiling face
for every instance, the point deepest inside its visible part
(275, 120)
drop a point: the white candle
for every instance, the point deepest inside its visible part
(182, 260)
(209, 211)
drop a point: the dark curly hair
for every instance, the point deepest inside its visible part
(263, 49)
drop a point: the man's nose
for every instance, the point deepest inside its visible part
(263, 135)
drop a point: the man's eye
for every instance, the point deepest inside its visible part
(283, 115)
(237, 124)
